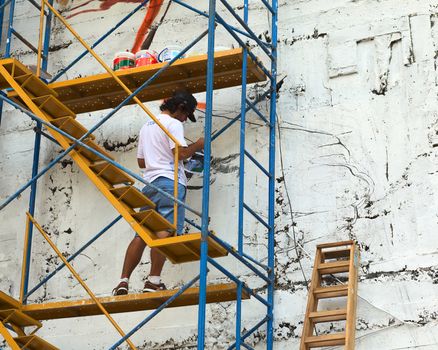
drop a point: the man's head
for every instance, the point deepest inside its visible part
(181, 105)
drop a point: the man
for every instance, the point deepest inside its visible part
(156, 157)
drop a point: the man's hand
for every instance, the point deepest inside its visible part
(186, 152)
(200, 144)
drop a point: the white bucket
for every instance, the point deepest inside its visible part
(169, 53)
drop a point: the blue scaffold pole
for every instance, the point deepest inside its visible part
(47, 39)
(206, 181)
(7, 52)
(242, 141)
(241, 176)
(271, 257)
(2, 14)
(32, 203)
(10, 29)
(36, 160)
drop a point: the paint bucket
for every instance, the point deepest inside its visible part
(145, 58)
(194, 165)
(123, 60)
(169, 53)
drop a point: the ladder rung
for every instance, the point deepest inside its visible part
(331, 291)
(334, 244)
(336, 254)
(334, 267)
(153, 221)
(17, 318)
(92, 157)
(56, 109)
(23, 79)
(41, 100)
(111, 174)
(325, 340)
(33, 342)
(71, 127)
(328, 315)
(37, 88)
(132, 197)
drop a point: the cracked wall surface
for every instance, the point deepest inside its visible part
(357, 158)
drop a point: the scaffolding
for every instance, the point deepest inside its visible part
(53, 105)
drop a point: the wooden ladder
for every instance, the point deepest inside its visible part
(332, 259)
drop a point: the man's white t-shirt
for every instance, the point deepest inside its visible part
(155, 147)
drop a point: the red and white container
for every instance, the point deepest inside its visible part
(145, 58)
(123, 60)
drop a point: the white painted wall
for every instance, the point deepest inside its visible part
(358, 130)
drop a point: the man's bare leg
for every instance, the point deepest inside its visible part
(158, 259)
(133, 256)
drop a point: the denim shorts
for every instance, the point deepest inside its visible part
(164, 205)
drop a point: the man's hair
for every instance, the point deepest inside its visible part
(180, 97)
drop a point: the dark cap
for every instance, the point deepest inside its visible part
(185, 97)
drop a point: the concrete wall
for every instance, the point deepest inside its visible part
(357, 140)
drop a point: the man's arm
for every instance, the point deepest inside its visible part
(141, 163)
(186, 152)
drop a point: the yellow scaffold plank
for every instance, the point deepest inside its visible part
(185, 248)
(100, 91)
(153, 221)
(132, 197)
(111, 173)
(10, 312)
(7, 302)
(32, 342)
(131, 302)
(71, 127)
(18, 318)
(90, 156)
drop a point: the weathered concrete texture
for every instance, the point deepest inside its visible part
(357, 159)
